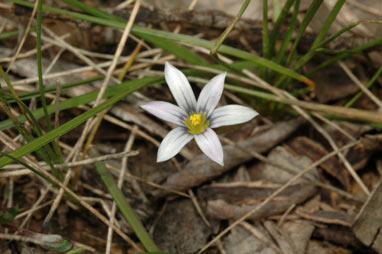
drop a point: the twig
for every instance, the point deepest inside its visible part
(260, 236)
(360, 85)
(35, 205)
(24, 37)
(274, 194)
(82, 162)
(90, 122)
(283, 167)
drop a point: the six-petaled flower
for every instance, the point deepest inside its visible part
(195, 119)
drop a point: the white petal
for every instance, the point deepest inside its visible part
(173, 143)
(209, 143)
(180, 88)
(211, 93)
(230, 115)
(165, 111)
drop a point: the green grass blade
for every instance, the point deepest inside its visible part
(276, 28)
(34, 94)
(141, 31)
(323, 32)
(122, 204)
(265, 35)
(39, 65)
(93, 10)
(280, 57)
(259, 61)
(175, 49)
(83, 99)
(313, 7)
(66, 127)
(9, 34)
(26, 165)
(368, 85)
(359, 49)
(46, 152)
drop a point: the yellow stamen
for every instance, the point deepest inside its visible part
(196, 123)
(195, 119)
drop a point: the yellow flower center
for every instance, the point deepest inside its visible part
(195, 119)
(196, 123)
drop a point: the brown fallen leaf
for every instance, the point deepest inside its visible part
(232, 201)
(242, 241)
(340, 236)
(283, 240)
(202, 169)
(315, 151)
(333, 88)
(291, 162)
(299, 231)
(368, 224)
(327, 217)
(360, 154)
(180, 229)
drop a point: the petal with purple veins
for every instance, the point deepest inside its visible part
(210, 145)
(173, 143)
(180, 88)
(165, 111)
(211, 94)
(230, 115)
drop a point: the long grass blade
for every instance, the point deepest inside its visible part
(68, 126)
(323, 32)
(280, 56)
(313, 7)
(276, 28)
(122, 204)
(141, 31)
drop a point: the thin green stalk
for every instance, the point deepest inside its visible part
(93, 10)
(8, 34)
(27, 136)
(223, 36)
(276, 9)
(48, 137)
(276, 28)
(229, 28)
(280, 58)
(33, 94)
(265, 36)
(313, 7)
(323, 32)
(359, 49)
(123, 205)
(141, 31)
(45, 153)
(27, 166)
(55, 154)
(345, 29)
(368, 85)
(39, 64)
(266, 52)
(81, 100)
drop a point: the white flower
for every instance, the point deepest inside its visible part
(195, 118)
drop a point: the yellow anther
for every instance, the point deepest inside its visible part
(196, 123)
(195, 119)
